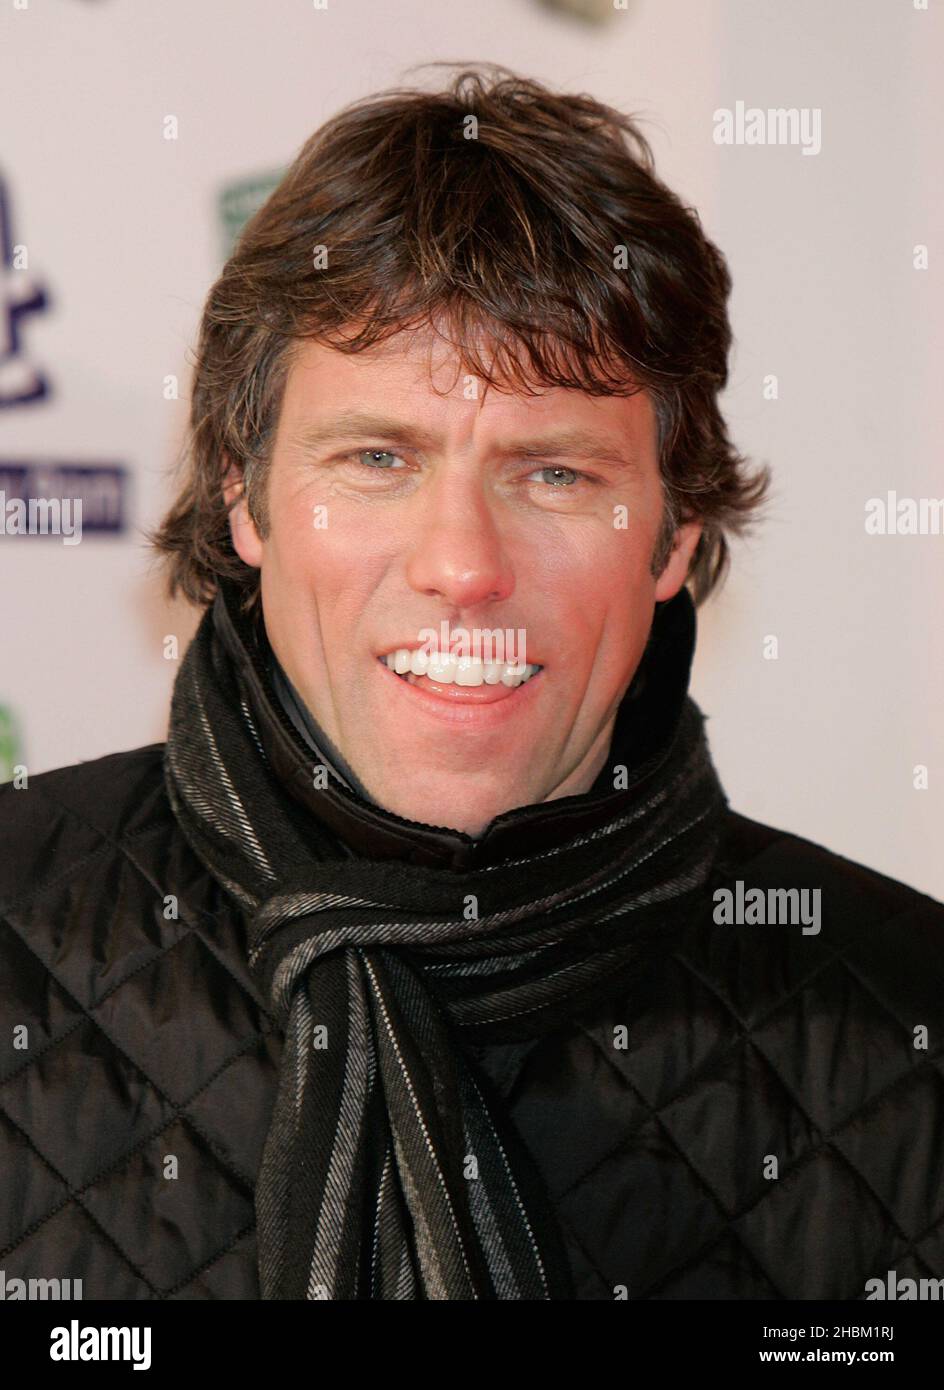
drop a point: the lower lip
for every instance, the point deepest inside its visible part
(469, 706)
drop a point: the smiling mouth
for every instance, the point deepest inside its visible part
(466, 680)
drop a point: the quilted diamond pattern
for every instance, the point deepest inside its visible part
(741, 1047)
(132, 1126)
(146, 1042)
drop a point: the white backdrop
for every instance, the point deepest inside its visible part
(122, 229)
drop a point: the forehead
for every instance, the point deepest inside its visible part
(419, 379)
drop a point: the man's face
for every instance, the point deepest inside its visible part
(393, 509)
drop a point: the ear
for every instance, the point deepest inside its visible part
(246, 540)
(679, 562)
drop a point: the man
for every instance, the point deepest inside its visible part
(427, 960)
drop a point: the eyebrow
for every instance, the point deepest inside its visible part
(566, 443)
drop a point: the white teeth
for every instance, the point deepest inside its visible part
(463, 670)
(513, 675)
(467, 673)
(441, 667)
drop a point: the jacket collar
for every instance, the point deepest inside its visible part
(645, 726)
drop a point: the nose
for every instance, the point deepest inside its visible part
(457, 554)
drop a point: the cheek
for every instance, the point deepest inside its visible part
(293, 525)
(600, 599)
(317, 572)
(613, 560)
(616, 594)
(302, 547)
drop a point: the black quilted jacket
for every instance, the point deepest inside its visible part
(769, 1129)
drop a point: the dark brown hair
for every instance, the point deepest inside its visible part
(530, 231)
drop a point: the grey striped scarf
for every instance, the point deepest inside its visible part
(390, 1170)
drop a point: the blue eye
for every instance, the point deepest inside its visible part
(375, 458)
(574, 475)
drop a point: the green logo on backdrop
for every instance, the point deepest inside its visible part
(238, 201)
(9, 744)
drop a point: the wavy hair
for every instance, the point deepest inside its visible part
(530, 230)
